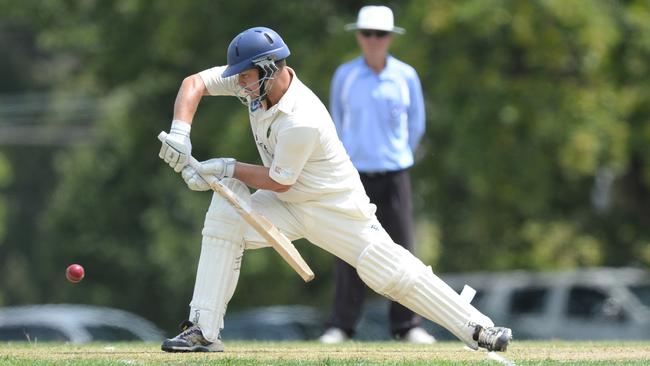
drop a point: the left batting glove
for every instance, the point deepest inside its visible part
(212, 170)
(177, 147)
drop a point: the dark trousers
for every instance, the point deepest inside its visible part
(391, 193)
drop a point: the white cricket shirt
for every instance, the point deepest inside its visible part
(297, 140)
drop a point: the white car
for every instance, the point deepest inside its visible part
(74, 324)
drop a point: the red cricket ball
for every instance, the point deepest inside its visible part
(74, 273)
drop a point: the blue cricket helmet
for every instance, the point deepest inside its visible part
(250, 46)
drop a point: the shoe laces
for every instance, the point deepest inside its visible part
(489, 335)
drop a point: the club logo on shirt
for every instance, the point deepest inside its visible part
(262, 143)
(284, 173)
(254, 105)
(265, 148)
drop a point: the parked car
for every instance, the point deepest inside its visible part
(74, 324)
(586, 304)
(282, 322)
(594, 303)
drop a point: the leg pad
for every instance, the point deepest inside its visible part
(219, 264)
(397, 274)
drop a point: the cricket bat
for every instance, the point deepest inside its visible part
(261, 224)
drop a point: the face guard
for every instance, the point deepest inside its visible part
(251, 95)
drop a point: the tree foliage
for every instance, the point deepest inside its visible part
(533, 113)
(536, 153)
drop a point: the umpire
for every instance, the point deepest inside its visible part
(377, 106)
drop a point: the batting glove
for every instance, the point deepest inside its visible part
(210, 171)
(177, 148)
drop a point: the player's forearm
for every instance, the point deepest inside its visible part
(188, 98)
(257, 176)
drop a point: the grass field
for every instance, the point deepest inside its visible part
(311, 353)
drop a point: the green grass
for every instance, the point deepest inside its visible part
(312, 353)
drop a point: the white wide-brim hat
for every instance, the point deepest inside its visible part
(377, 18)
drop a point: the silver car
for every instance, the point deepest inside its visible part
(593, 303)
(74, 324)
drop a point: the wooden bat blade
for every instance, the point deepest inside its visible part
(261, 224)
(268, 231)
(284, 247)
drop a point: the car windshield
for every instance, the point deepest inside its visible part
(642, 292)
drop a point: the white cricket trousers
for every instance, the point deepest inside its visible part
(345, 225)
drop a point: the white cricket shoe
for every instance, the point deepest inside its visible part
(418, 335)
(333, 336)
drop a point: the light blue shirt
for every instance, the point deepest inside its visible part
(379, 117)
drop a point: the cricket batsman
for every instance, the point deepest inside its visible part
(307, 187)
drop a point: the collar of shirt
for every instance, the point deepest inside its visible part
(387, 70)
(288, 100)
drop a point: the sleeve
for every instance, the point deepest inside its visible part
(293, 149)
(416, 112)
(336, 108)
(217, 85)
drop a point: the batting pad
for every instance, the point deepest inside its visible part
(218, 270)
(394, 272)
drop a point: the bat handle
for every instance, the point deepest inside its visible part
(162, 136)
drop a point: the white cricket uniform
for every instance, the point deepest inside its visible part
(297, 140)
(327, 205)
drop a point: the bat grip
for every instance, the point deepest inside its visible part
(162, 136)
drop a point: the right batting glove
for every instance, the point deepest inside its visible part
(212, 170)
